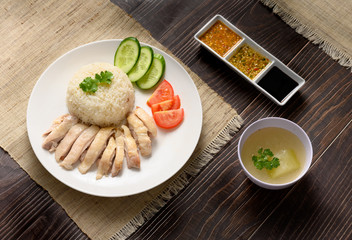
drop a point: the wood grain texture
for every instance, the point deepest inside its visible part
(178, 21)
(221, 203)
(317, 208)
(27, 210)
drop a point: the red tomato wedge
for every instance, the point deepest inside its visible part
(169, 119)
(175, 103)
(162, 106)
(162, 93)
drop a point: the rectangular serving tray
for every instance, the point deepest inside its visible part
(274, 62)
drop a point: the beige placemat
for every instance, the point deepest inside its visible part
(34, 34)
(327, 23)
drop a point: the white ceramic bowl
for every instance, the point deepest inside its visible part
(280, 123)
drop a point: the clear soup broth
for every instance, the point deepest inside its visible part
(285, 145)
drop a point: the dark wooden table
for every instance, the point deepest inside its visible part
(221, 203)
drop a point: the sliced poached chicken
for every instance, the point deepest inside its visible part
(105, 162)
(58, 131)
(120, 153)
(95, 149)
(67, 142)
(131, 150)
(79, 146)
(140, 134)
(147, 120)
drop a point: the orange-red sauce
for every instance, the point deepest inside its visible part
(220, 38)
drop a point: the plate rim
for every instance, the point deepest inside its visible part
(117, 41)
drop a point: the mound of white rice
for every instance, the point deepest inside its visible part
(109, 105)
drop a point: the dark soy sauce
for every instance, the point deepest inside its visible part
(277, 83)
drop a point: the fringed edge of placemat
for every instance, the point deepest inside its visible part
(182, 180)
(335, 53)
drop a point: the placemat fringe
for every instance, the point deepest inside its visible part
(342, 58)
(92, 20)
(182, 180)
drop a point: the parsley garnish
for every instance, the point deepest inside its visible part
(90, 85)
(265, 159)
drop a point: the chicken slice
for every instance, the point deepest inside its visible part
(83, 155)
(67, 142)
(79, 146)
(147, 120)
(96, 148)
(58, 132)
(140, 133)
(120, 154)
(105, 161)
(132, 156)
(54, 124)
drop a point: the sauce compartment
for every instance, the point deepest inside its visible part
(249, 61)
(280, 83)
(246, 59)
(220, 38)
(260, 68)
(208, 27)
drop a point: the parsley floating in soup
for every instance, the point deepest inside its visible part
(265, 159)
(273, 155)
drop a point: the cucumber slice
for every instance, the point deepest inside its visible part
(155, 73)
(127, 54)
(143, 64)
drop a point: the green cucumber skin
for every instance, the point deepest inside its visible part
(136, 72)
(146, 82)
(124, 41)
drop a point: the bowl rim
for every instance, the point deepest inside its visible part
(308, 158)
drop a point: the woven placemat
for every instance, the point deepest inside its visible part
(34, 34)
(327, 23)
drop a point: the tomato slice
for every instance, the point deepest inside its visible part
(175, 103)
(169, 119)
(162, 93)
(162, 106)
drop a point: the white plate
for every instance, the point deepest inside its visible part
(171, 149)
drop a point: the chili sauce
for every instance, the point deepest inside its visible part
(220, 38)
(277, 83)
(249, 61)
